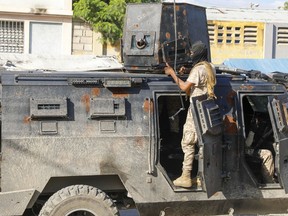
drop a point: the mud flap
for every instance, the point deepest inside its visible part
(208, 122)
(14, 203)
(278, 111)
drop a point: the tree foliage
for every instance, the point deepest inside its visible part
(286, 5)
(106, 17)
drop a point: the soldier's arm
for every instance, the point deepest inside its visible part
(184, 86)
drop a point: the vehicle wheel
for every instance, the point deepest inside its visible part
(79, 200)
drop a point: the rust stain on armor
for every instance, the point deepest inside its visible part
(230, 98)
(139, 142)
(167, 35)
(147, 106)
(134, 67)
(246, 87)
(86, 101)
(27, 119)
(230, 126)
(95, 91)
(119, 93)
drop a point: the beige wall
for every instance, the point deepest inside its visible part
(82, 41)
(88, 42)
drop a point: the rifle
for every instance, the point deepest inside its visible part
(280, 77)
(236, 71)
(185, 63)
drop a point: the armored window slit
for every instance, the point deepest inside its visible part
(280, 112)
(210, 116)
(116, 106)
(48, 108)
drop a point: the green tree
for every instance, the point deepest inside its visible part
(106, 17)
(286, 5)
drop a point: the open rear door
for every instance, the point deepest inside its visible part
(278, 111)
(208, 121)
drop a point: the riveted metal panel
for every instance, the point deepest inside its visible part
(15, 202)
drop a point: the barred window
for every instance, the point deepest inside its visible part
(220, 34)
(229, 35)
(11, 36)
(225, 34)
(237, 36)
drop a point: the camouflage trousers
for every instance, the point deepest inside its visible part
(188, 142)
(267, 168)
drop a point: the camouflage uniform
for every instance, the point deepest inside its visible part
(258, 143)
(202, 79)
(198, 76)
(267, 167)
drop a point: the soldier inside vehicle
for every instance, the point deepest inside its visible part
(259, 143)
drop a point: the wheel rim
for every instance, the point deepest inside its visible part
(81, 212)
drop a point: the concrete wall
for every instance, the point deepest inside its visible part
(83, 35)
(276, 40)
(85, 41)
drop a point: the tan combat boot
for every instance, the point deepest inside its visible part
(184, 180)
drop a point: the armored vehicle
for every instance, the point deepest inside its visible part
(96, 142)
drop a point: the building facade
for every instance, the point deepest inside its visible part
(247, 33)
(47, 27)
(36, 26)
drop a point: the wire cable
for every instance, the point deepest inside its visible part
(175, 61)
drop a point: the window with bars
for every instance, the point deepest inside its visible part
(237, 35)
(282, 36)
(232, 35)
(220, 34)
(11, 36)
(229, 35)
(240, 34)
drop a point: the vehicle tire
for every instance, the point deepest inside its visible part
(79, 200)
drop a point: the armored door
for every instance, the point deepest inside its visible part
(278, 111)
(208, 122)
